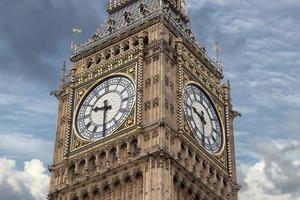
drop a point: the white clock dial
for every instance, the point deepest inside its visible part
(202, 119)
(105, 108)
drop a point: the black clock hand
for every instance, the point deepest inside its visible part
(203, 123)
(104, 123)
(200, 116)
(106, 107)
(195, 110)
(96, 109)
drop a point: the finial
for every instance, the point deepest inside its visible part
(63, 73)
(76, 31)
(184, 6)
(218, 52)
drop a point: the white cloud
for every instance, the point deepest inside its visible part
(31, 183)
(276, 175)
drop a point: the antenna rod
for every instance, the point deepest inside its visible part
(76, 31)
(218, 52)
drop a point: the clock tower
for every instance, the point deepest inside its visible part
(143, 113)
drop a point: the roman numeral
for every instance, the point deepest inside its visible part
(188, 106)
(214, 119)
(123, 91)
(114, 121)
(86, 105)
(122, 110)
(95, 129)
(125, 99)
(88, 125)
(106, 86)
(189, 117)
(85, 116)
(210, 146)
(213, 138)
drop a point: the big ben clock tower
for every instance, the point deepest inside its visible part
(144, 114)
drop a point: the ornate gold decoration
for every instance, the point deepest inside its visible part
(77, 142)
(81, 93)
(129, 121)
(219, 108)
(186, 127)
(131, 72)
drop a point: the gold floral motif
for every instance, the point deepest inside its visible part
(81, 93)
(77, 143)
(129, 122)
(219, 109)
(131, 71)
(222, 160)
(185, 78)
(186, 128)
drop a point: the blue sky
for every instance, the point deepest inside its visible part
(260, 54)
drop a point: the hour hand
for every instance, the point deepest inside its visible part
(96, 109)
(201, 116)
(195, 110)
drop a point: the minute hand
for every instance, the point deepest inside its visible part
(106, 108)
(195, 110)
(201, 116)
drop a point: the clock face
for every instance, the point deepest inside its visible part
(202, 119)
(105, 108)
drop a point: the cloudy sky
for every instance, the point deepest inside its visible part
(261, 56)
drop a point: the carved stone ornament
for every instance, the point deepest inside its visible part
(60, 143)
(111, 25)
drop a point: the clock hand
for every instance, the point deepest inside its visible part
(203, 123)
(104, 123)
(96, 109)
(201, 116)
(213, 138)
(106, 108)
(195, 110)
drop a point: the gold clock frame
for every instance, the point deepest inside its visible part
(133, 110)
(223, 134)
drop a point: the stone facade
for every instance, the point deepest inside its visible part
(153, 155)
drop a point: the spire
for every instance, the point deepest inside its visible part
(218, 53)
(63, 73)
(63, 77)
